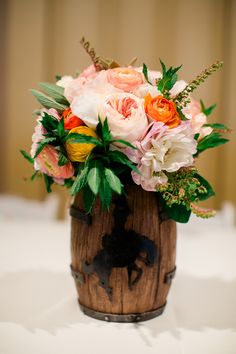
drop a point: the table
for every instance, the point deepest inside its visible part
(38, 305)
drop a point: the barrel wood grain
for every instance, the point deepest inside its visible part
(151, 291)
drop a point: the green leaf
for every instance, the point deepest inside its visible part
(94, 179)
(217, 126)
(105, 193)
(48, 182)
(145, 73)
(42, 144)
(99, 128)
(113, 180)
(118, 156)
(68, 182)
(210, 141)
(123, 142)
(34, 175)
(177, 212)
(80, 180)
(27, 156)
(55, 92)
(206, 184)
(49, 122)
(207, 111)
(106, 135)
(169, 78)
(62, 159)
(47, 102)
(88, 198)
(60, 129)
(82, 138)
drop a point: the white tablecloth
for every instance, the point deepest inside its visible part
(38, 303)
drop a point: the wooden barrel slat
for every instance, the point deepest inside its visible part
(151, 291)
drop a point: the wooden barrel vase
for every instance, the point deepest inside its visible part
(123, 260)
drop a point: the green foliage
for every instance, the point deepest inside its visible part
(48, 182)
(218, 126)
(82, 138)
(207, 111)
(210, 141)
(99, 172)
(27, 156)
(48, 102)
(184, 187)
(42, 144)
(179, 213)
(62, 161)
(88, 198)
(145, 73)
(55, 92)
(121, 158)
(113, 181)
(94, 178)
(209, 192)
(105, 193)
(182, 99)
(80, 180)
(169, 78)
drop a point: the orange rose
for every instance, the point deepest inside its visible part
(71, 121)
(162, 110)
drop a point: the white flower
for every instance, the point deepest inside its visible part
(162, 150)
(89, 98)
(64, 81)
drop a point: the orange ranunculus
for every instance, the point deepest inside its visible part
(71, 121)
(162, 110)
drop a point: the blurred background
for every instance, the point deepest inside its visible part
(40, 38)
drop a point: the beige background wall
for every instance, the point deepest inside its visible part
(40, 38)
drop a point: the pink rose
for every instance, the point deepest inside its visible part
(47, 162)
(126, 116)
(89, 72)
(126, 79)
(197, 118)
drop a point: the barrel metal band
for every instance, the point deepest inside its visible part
(132, 317)
(78, 276)
(170, 276)
(80, 215)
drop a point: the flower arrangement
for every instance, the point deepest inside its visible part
(113, 125)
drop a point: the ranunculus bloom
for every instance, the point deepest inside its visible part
(70, 120)
(79, 151)
(126, 79)
(162, 150)
(47, 161)
(162, 110)
(126, 116)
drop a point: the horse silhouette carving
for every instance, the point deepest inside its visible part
(122, 248)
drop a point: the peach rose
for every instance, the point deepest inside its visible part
(126, 79)
(162, 110)
(126, 116)
(47, 162)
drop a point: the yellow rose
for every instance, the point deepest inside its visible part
(79, 151)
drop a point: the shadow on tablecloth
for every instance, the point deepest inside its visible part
(39, 299)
